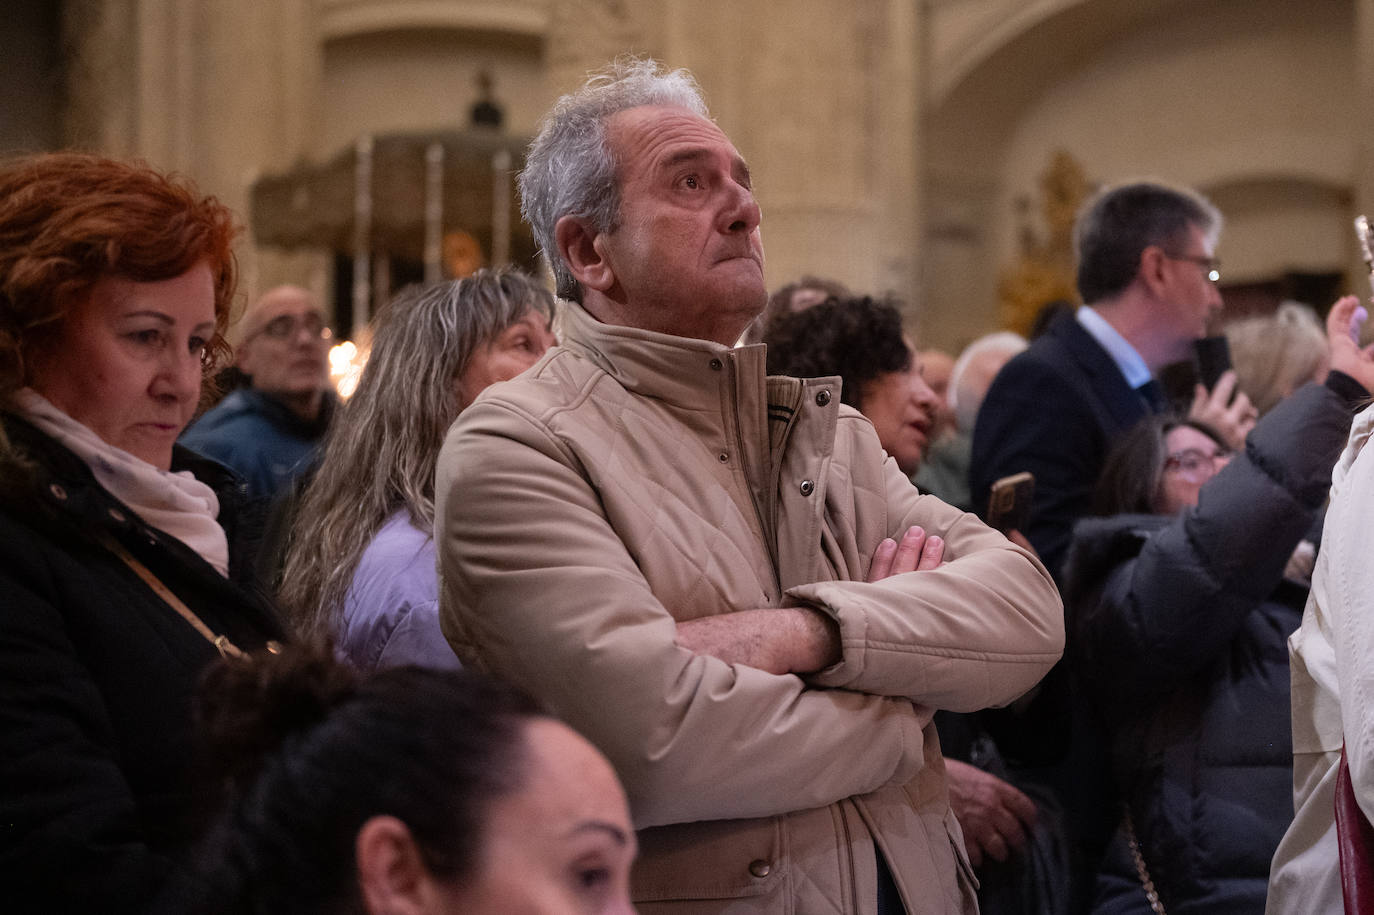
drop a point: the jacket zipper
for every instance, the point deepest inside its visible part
(849, 853)
(767, 526)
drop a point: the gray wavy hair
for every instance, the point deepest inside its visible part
(570, 169)
(379, 454)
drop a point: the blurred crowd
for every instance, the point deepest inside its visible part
(662, 592)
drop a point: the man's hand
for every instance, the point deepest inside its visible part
(916, 553)
(1233, 419)
(1343, 324)
(1020, 540)
(800, 640)
(994, 814)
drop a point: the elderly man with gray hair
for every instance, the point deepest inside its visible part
(944, 472)
(717, 576)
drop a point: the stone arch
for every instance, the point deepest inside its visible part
(1212, 95)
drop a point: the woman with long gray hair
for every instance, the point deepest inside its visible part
(360, 561)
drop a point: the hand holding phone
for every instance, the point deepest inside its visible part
(1009, 502)
(1213, 356)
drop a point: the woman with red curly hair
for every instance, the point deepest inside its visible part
(124, 568)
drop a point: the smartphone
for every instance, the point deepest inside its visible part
(1213, 356)
(1009, 502)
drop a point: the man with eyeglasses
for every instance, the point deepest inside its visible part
(268, 431)
(1147, 271)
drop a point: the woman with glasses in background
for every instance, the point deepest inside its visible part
(1180, 604)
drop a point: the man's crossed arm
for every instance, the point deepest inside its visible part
(800, 640)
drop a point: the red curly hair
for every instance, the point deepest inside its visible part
(68, 220)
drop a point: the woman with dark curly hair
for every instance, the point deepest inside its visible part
(124, 560)
(862, 341)
(411, 790)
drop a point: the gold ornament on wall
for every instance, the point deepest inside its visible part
(1044, 269)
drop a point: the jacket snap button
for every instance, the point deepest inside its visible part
(760, 868)
(822, 398)
(807, 487)
(57, 491)
(716, 365)
(724, 457)
(117, 515)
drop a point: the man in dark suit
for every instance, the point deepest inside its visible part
(1147, 271)
(1146, 268)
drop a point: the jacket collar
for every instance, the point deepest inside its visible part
(692, 374)
(275, 410)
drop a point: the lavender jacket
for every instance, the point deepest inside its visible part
(391, 611)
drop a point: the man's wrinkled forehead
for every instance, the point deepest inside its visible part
(661, 136)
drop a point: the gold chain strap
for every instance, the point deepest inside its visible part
(1143, 872)
(222, 643)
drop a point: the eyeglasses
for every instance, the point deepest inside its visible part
(286, 327)
(1210, 264)
(1196, 465)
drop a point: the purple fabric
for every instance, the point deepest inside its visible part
(391, 611)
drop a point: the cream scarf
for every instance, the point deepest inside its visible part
(175, 503)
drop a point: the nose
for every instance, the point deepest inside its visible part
(179, 375)
(741, 214)
(923, 393)
(308, 333)
(1214, 296)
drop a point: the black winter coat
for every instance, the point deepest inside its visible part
(96, 681)
(1179, 631)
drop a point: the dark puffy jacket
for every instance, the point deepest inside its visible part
(1179, 634)
(97, 676)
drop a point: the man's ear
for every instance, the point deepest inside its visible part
(586, 259)
(392, 876)
(1152, 272)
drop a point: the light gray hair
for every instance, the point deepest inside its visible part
(1276, 354)
(967, 389)
(379, 454)
(571, 170)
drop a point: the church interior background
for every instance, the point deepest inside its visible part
(935, 149)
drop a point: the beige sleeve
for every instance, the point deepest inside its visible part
(977, 632)
(537, 587)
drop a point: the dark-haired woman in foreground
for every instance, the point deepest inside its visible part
(125, 560)
(1180, 608)
(409, 791)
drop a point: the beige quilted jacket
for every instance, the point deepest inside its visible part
(632, 479)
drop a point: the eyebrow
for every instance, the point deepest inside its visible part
(149, 313)
(738, 167)
(618, 835)
(160, 316)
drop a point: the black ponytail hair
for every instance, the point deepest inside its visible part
(308, 751)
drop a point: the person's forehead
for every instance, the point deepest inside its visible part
(286, 303)
(279, 302)
(1182, 437)
(1199, 241)
(652, 135)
